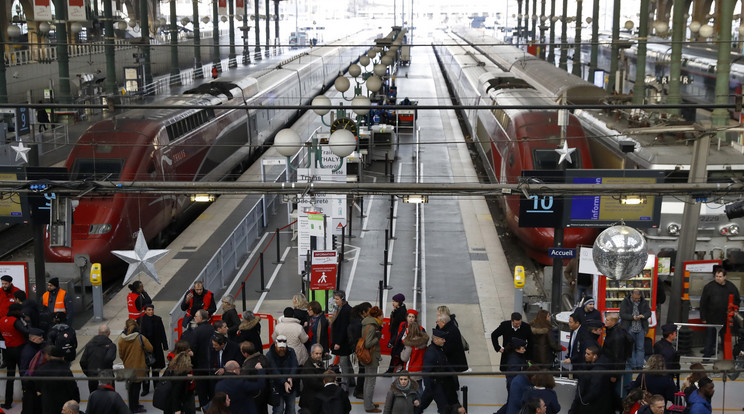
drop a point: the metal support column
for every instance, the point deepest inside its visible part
(175, 71)
(576, 66)
(231, 61)
(257, 19)
(109, 84)
(675, 64)
(267, 52)
(615, 48)
(720, 116)
(595, 41)
(639, 88)
(3, 82)
(551, 54)
(145, 36)
(198, 73)
(563, 62)
(277, 42)
(216, 37)
(63, 59)
(542, 46)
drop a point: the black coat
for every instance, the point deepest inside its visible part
(332, 400)
(666, 350)
(506, 331)
(515, 364)
(230, 353)
(232, 320)
(584, 339)
(454, 348)
(626, 313)
(31, 310)
(615, 346)
(397, 316)
(339, 332)
(714, 301)
(592, 391)
(547, 395)
(584, 316)
(200, 341)
(285, 366)
(105, 400)
(319, 333)
(311, 386)
(55, 393)
(152, 328)
(250, 331)
(435, 360)
(242, 392)
(99, 353)
(657, 384)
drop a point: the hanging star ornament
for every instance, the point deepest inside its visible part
(565, 153)
(141, 259)
(21, 151)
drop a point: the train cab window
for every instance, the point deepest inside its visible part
(547, 159)
(96, 169)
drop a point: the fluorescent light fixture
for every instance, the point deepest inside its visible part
(416, 198)
(633, 200)
(202, 198)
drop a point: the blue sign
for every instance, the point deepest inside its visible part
(561, 253)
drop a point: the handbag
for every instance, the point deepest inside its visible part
(149, 357)
(646, 395)
(162, 394)
(362, 352)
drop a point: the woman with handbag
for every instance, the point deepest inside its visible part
(133, 348)
(370, 341)
(656, 383)
(180, 398)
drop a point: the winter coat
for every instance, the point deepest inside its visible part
(250, 331)
(544, 346)
(397, 317)
(453, 347)
(714, 301)
(518, 387)
(657, 384)
(99, 354)
(332, 400)
(296, 336)
(152, 328)
(200, 341)
(699, 405)
(232, 320)
(131, 353)
(242, 392)
(617, 346)
(584, 316)
(399, 401)
(311, 386)
(592, 391)
(286, 366)
(514, 365)
(55, 393)
(339, 332)
(230, 352)
(105, 400)
(671, 356)
(506, 332)
(318, 332)
(372, 331)
(64, 334)
(301, 315)
(626, 313)
(413, 354)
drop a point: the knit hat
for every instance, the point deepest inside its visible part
(412, 311)
(36, 332)
(281, 341)
(54, 282)
(399, 297)
(588, 301)
(6, 278)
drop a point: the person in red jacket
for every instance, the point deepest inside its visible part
(412, 355)
(137, 299)
(15, 333)
(197, 298)
(7, 294)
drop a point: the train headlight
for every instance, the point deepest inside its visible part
(730, 230)
(99, 228)
(673, 229)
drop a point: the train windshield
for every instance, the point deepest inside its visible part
(96, 169)
(547, 159)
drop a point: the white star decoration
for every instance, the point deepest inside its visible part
(21, 151)
(141, 259)
(565, 153)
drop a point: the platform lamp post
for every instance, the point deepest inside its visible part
(231, 61)
(246, 31)
(257, 19)
(576, 69)
(563, 60)
(175, 72)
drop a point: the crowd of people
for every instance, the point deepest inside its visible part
(217, 365)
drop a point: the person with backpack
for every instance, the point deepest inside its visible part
(99, 355)
(332, 399)
(63, 336)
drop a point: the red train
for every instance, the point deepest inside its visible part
(514, 140)
(184, 145)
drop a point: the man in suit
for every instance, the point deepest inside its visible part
(513, 328)
(332, 399)
(199, 339)
(574, 355)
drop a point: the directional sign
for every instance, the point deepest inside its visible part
(561, 253)
(323, 270)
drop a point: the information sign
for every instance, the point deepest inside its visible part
(323, 270)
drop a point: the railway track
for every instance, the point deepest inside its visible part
(14, 238)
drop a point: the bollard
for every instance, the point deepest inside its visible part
(464, 390)
(387, 169)
(242, 289)
(350, 219)
(387, 239)
(392, 202)
(302, 283)
(379, 289)
(263, 283)
(361, 207)
(278, 248)
(385, 271)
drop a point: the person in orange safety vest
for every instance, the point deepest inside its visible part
(137, 299)
(195, 299)
(57, 300)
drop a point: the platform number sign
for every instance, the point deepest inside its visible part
(23, 120)
(541, 210)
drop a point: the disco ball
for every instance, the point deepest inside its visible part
(620, 252)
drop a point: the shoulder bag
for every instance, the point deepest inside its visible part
(362, 352)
